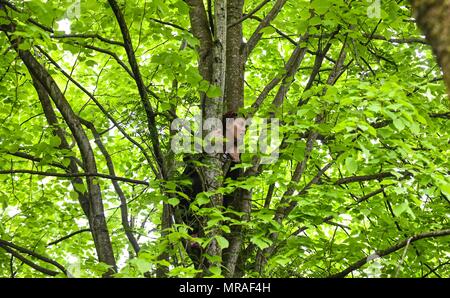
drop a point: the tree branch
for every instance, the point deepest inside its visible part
(34, 158)
(102, 109)
(117, 188)
(381, 253)
(352, 179)
(201, 30)
(71, 175)
(28, 262)
(110, 53)
(168, 24)
(4, 243)
(68, 236)
(291, 69)
(99, 227)
(87, 35)
(255, 10)
(256, 36)
(399, 40)
(151, 118)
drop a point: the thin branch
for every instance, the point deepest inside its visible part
(329, 218)
(278, 31)
(71, 175)
(117, 188)
(4, 243)
(168, 24)
(110, 53)
(257, 8)
(369, 195)
(441, 115)
(143, 92)
(209, 8)
(68, 236)
(34, 22)
(347, 180)
(306, 188)
(34, 158)
(256, 36)
(28, 262)
(104, 111)
(400, 40)
(433, 270)
(269, 196)
(290, 69)
(94, 36)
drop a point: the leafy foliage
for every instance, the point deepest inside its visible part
(379, 130)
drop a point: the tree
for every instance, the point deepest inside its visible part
(434, 18)
(91, 184)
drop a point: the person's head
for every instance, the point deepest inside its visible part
(234, 131)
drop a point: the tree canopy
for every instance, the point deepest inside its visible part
(90, 185)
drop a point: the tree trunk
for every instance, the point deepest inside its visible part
(213, 108)
(234, 87)
(97, 220)
(433, 17)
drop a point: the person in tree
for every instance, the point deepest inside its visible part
(233, 130)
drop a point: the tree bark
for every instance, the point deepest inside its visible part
(433, 17)
(123, 200)
(98, 224)
(213, 108)
(52, 120)
(234, 85)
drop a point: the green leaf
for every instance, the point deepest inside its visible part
(320, 6)
(216, 271)
(398, 123)
(444, 186)
(55, 141)
(213, 92)
(80, 187)
(202, 199)
(258, 241)
(268, 30)
(223, 243)
(403, 207)
(173, 201)
(142, 265)
(91, 63)
(351, 165)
